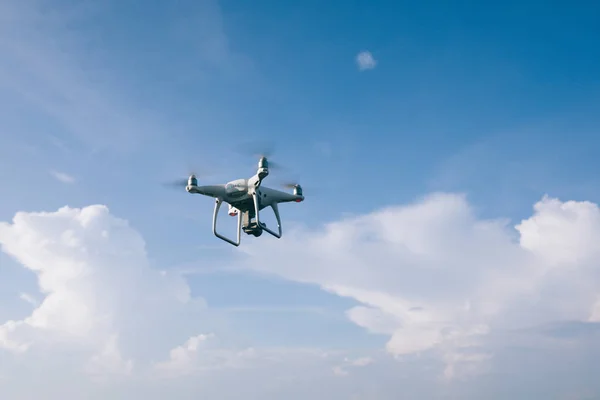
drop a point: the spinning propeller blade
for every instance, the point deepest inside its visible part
(182, 182)
(176, 184)
(274, 165)
(258, 149)
(292, 184)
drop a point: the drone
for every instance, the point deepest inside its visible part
(246, 199)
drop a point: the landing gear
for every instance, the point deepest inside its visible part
(218, 203)
(249, 209)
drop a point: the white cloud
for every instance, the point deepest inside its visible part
(205, 353)
(182, 358)
(455, 294)
(361, 362)
(97, 285)
(109, 360)
(342, 370)
(365, 60)
(339, 371)
(105, 317)
(433, 277)
(28, 298)
(63, 177)
(595, 313)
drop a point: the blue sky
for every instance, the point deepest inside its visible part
(499, 101)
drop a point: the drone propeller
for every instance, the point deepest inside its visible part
(289, 185)
(274, 165)
(176, 184)
(260, 149)
(294, 184)
(179, 183)
(183, 182)
(257, 148)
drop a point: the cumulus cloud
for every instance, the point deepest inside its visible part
(365, 60)
(205, 353)
(182, 358)
(98, 289)
(457, 296)
(103, 316)
(432, 276)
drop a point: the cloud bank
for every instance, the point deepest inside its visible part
(460, 299)
(110, 325)
(434, 277)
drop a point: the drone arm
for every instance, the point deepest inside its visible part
(277, 196)
(290, 198)
(208, 190)
(218, 203)
(261, 173)
(275, 210)
(255, 182)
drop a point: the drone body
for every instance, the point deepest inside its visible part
(246, 199)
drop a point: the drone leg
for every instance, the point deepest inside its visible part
(218, 203)
(275, 210)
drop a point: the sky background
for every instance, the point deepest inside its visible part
(419, 161)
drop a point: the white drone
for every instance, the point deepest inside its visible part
(246, 198)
